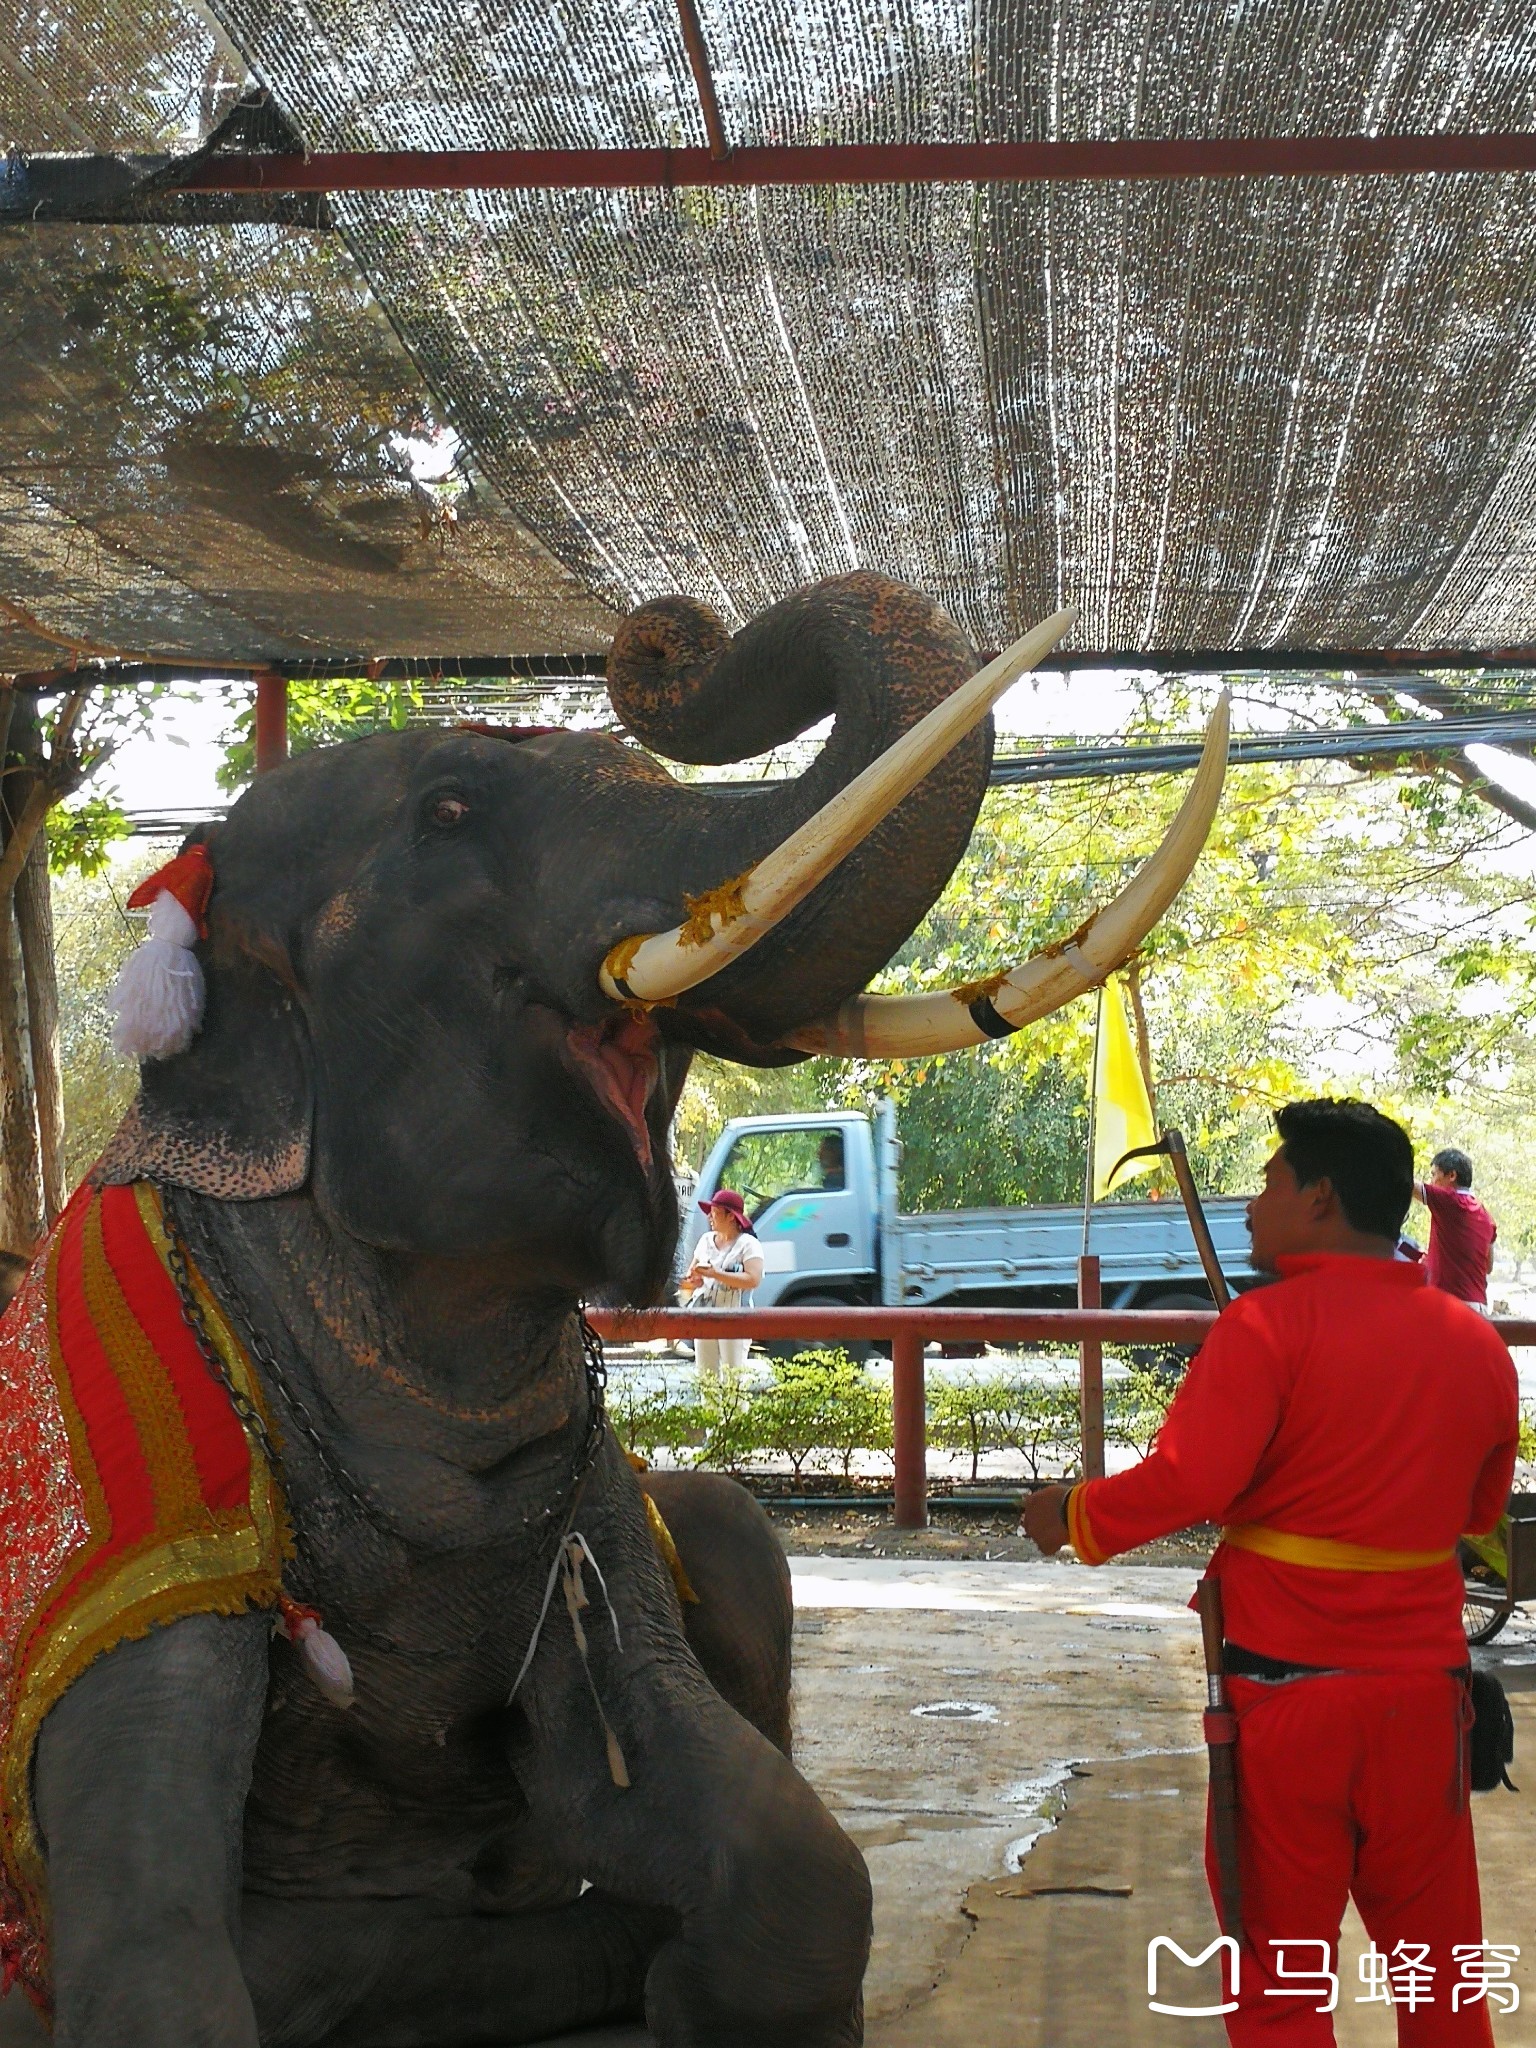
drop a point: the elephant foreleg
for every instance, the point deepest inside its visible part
(772, 1899)
(140, 1782)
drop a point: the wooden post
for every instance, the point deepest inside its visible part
(910, 1419)
(34, 924)
(21, 1189)
(1091, 1370)
(271, 719)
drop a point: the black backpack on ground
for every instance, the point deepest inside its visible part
(1493, 1734)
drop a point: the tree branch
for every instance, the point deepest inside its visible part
(57, 778)
(1432, 696)
(1473, 778)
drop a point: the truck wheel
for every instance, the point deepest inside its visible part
(1169, 1360)
(860, 1350)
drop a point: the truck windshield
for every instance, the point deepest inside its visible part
(762, 1165)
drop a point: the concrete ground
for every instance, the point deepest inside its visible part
(1016, 1748)
(1095, 1682)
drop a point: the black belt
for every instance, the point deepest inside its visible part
(1240, 1663)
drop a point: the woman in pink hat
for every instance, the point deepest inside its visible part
(726, 1268)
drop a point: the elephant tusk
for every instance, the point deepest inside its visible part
(947, 1020)
(729, 919)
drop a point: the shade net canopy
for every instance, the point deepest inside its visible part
(1229, 413)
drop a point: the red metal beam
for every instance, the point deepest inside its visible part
(703, 78)
(923, 163)
(271, 719)
(931, 1325)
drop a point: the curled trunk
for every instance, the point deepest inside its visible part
(877, 654)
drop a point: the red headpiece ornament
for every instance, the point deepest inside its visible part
(189, 878)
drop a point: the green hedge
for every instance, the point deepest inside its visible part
(819, 1409)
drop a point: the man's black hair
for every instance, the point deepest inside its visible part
(1452, 1160)
(1366, 1156)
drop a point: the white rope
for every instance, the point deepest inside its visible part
(571, 1551)
(576, 1539)
(538, 1626)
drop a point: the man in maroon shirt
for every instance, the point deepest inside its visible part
(1461, 1232)
(1344, 1427)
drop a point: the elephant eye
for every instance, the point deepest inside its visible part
(449, 810)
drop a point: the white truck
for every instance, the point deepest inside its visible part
(821, 1192)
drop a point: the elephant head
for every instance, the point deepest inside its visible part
(420, 944)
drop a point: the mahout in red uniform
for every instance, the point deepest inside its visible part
(1344, 1426)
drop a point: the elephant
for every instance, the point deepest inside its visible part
(413, 1133)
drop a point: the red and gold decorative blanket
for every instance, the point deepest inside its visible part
(130, 1494)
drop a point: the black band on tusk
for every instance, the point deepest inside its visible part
(990, 1020)
(625, 991)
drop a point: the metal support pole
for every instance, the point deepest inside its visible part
(1093, 1115)
(858, 163)
(271, 719)
(909, 1403)
(1090, 1352)
(703, 78)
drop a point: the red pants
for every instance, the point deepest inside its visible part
(1354, 1786)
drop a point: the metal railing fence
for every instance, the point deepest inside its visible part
(908, 1330)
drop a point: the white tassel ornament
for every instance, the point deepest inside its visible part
(158, 996)
(324, 1659)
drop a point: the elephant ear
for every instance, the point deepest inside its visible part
(231, 1116)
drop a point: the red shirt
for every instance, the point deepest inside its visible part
(1349, 1401)
(1461, 1235)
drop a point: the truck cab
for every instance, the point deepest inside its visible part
(822, 1198)
(809, 1186)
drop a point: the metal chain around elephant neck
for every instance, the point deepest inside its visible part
(233, 1305)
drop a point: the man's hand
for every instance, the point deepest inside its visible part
(1044, 1520)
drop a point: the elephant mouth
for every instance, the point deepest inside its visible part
(620, 1061)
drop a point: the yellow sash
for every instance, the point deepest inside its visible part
(1327, 1555)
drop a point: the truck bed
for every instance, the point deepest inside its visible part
(1141, 1246)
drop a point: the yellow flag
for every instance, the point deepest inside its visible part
(1121, 1110)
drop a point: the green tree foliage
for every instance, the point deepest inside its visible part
(85, 819)
(81, 835)
(320, 714)
(1344, 932)
(93, 935)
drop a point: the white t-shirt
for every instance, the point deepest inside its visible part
(731, 1258)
